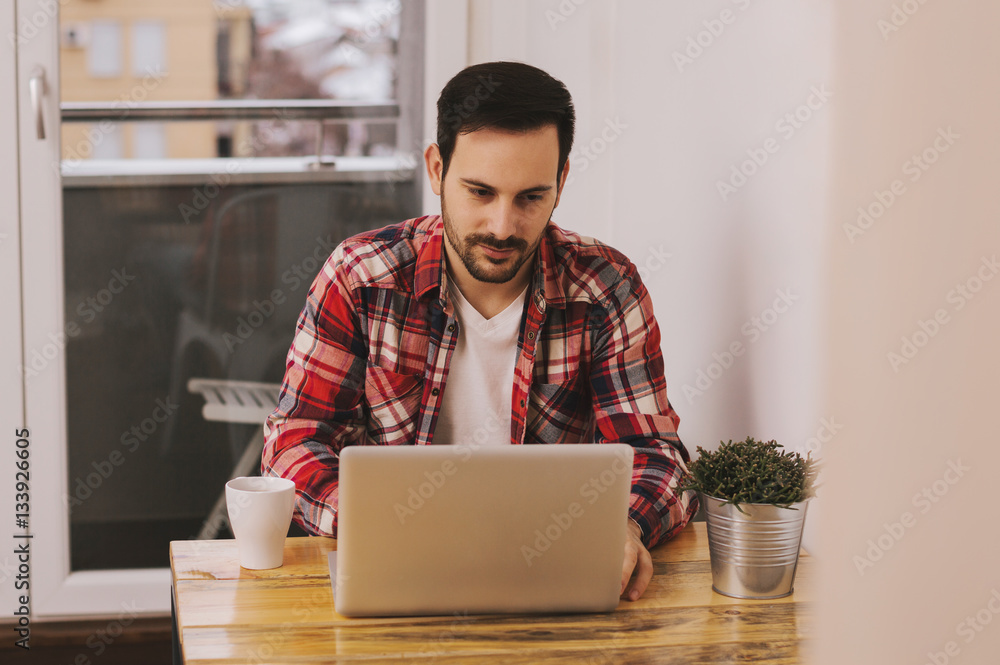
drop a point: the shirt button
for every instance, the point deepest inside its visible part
(435, 391)
(451, 327)
(522, 403)
(531, 335)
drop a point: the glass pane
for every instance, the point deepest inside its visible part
(149, 47)
(149, 140)
(103, 143)
(174, 273)
(104, 55)
(158, 302)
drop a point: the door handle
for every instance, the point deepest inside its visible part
(36, 86)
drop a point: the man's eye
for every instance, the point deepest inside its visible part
(478, 191)
(533, 198)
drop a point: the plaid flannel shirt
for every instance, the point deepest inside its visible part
(369, 365)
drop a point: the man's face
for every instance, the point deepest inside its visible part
(497, 198)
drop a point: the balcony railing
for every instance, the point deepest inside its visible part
(243, 170)
(230, 109)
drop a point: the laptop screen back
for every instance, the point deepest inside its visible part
(458, 529)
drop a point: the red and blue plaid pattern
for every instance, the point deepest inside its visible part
(369, 366)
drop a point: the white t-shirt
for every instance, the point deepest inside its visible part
(476, 404)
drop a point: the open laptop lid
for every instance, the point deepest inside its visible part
(446, 529)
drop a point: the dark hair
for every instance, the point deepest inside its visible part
(503, 95)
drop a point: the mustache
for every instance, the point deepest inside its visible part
(496, 243)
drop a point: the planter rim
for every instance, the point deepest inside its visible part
(773, 505)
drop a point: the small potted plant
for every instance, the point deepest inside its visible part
(755, 498)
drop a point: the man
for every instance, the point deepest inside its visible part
(487, 325)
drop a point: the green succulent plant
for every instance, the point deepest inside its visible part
(752, 472)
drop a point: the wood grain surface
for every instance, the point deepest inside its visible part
(227, 614)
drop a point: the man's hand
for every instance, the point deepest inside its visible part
(638, 559)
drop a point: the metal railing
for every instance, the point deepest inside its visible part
(230, 109)
(320, 111)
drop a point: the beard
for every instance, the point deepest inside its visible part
(486, 268)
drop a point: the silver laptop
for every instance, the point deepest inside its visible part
(476, 530)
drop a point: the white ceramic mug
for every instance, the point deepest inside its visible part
(260, 511)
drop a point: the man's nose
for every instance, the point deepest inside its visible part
(503, 220)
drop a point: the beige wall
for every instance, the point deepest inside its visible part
(912, 542)
(190, 75)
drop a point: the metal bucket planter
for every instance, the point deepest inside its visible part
(754, 555)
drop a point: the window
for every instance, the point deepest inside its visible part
(149, 48)
(206, 239)
(149, 140)
(106, 144)
(104, 57)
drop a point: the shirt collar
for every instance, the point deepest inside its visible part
(429, 272)
(546, 286)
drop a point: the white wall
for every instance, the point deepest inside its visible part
(680, 130)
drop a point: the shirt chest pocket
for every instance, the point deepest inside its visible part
(393, 404)
(559, 412)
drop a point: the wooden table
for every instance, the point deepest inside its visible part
(225, 614)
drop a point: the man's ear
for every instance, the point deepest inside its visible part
(562, 182)
(435, 167)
